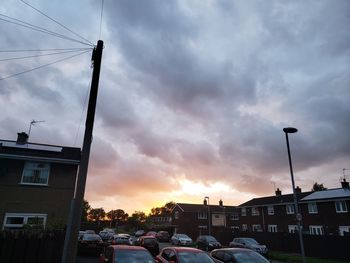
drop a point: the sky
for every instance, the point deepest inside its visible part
(193, 95)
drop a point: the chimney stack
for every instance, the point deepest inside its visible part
(205, 202)
(278, 192)
(298, 190)
(22, 138)
(345, 184)
(221, 203)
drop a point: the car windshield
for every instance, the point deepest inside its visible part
(91, 237)
(133, 256)
(150, 240)
(211, 239)
(183, 236)
(250, 241)
(249, 257)
(190, 257)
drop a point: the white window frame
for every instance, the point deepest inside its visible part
(244, 227)
(316, 230)
(312, 208)
(202, 215)
(256, 228)
(255, 211)
(25, 217)
(202, 227)
(30, 167)
(290, 209)
(272, 228)
(343, 229)
(340, 206)
(243, 211)
(176, 215)
(234, 216)
(270, 210)
(292, 229)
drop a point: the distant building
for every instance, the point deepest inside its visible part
(200, 219)
(323, 212)
(37, 182)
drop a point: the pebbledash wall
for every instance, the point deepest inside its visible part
(37, 183)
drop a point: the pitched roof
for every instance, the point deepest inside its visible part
(328, 194)
(204, 208)
(39, 152)
(273, 200)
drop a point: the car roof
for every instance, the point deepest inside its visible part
(127, 247)
(183, 249)
(233, 249)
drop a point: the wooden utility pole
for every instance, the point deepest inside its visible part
(71, 238)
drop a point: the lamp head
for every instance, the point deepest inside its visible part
(290, 130)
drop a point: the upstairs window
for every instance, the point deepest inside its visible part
(340, 207)
(270, 210)
(36, 173)
(244, 211)
(312, 208)
(176, 215)
(255, 211)
(234, 216)
(202, 215)
(290, 209)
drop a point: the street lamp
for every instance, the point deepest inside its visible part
(298, 215)
(209, 228)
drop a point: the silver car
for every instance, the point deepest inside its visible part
(181, 240)
(250, 243)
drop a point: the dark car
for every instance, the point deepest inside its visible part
(150, 243)
(151, 233)
(207, 243)
(183, 255)
(126, 254)
(163, 236)
(90, 243)
(237, 255)
(250, 243)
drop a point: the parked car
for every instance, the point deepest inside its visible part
(81, 233)
(126, 254)
(106, 234)
(207, 243)
(237, 255)
(181, 240)
(250, 243)
(139, 233)
(89, 231)
(163, 236)
(90, 243)
(150, 243)
(183, 255)
(119, 239)
(151, 233)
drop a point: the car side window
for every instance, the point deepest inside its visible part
(109, 254)
(218, 255)
(227, 257)
(172, 256)
(165, 254)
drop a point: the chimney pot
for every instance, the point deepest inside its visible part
(278, 192)
(221, 203)
(22, 138)
(205, 202)
(345, 184)
(297, 190)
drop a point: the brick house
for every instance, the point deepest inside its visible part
(323, 212)
(36, 182)
(198, 219)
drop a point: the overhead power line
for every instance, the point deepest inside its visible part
(42, 50)
(41, 55)
(22, 23)
(36, 9)
(42, 66)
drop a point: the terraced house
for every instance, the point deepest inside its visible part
(37, 182)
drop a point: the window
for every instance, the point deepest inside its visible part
(344, 230)
(202, 227)
(312, 207)
(17, 220)
(292, 228)
(234, 216)
(290, 209)
(272, 228)
(244, 227)
(36, 173)
(255, 211)
(316, 230)
(244, 211)
(256, 228)
(340, 207)
(202, 215)
(270, 210)
(176, 214)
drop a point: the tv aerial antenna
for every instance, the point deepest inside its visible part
(32, 123)
(344, 169)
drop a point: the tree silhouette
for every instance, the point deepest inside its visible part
(318, 187)
(85, 211)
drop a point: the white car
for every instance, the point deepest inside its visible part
(106, 234)
(181, 240)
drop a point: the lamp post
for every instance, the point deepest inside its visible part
(298, 215)
(209, 228)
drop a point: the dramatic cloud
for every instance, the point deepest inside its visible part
(193, 95)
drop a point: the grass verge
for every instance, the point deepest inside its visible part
(296, 258)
